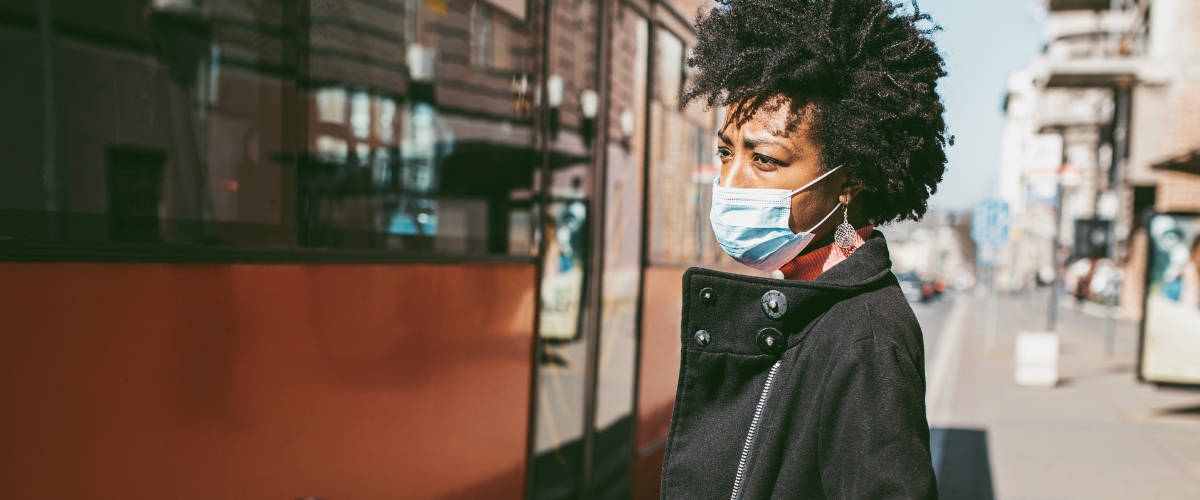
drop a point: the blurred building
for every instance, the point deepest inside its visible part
(1095, 126)
(938, 246)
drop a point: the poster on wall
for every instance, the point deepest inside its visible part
(1171, 322)
(563, 269)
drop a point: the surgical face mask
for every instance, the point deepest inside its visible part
(752, 224)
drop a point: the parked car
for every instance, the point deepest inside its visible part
(917, 289)
(912, 287)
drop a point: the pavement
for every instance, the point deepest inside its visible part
(1100, 434)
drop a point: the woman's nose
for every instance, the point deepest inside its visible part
(735, 174)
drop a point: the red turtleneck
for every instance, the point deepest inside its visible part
(807, 267)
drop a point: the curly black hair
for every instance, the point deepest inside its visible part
(865, 70)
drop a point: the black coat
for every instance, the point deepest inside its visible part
(835, 371)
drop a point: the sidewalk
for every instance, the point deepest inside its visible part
(1099, 435)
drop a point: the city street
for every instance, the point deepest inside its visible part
(1100, 434)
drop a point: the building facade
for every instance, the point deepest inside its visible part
(345, 248)
(1091, 126)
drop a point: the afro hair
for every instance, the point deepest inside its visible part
(866, 69)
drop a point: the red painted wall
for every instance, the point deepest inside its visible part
(663, 304)
(149, 381)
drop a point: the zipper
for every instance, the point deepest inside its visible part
(747, 448)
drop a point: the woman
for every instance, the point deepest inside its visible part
(811, 386)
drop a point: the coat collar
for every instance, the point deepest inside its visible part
(733, 310)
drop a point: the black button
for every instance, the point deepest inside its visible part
(771, 341)
(774, 304)
(708, 296)
(703, 338)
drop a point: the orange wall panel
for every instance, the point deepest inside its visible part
(647, 474)
(279, 381)
(663, 304)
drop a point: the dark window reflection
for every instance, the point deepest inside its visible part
(134, 193)
(397, 125)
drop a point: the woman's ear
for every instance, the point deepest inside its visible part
(850, 190)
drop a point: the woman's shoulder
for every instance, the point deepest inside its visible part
(880, 317)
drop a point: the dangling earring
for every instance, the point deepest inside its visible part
(844, 236)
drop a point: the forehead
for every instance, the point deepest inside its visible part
(775, 116)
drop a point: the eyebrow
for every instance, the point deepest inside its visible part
(751, 141)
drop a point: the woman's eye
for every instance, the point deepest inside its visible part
(767, 160)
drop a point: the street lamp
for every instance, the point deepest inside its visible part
(589, 104)
(554, 97)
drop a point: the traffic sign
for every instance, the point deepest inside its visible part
(990, 224)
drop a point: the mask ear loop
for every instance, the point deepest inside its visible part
(831, 212)
(818, 179)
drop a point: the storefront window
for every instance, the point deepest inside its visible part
(398, 125)
(568, 268)
(617, 343)
(682, 165)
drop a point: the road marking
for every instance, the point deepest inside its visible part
(940, 379)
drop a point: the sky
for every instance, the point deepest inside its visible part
(983, 41)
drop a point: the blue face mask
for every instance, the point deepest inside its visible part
(752, 224)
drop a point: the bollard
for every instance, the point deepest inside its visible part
(1036, 359)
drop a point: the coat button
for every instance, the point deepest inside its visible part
(774, 304)
(771, 341)
(708, 296)
(703, 338)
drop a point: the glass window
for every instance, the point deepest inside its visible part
(568, 266)
(617, 343)
(391, 125)
(682, 165)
